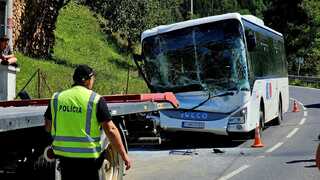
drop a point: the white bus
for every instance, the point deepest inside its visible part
(229, 73)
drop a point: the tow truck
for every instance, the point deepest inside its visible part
(23, 138)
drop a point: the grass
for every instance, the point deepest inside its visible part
(304, 84)
(79, 40)
(58, 76)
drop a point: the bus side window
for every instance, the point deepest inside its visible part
(251, 40)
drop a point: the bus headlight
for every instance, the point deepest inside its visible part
(239, 117)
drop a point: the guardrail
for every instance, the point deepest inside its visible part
(307, 79)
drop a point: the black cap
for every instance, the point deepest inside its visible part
(82, 72)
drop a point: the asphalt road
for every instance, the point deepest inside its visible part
(289, 152)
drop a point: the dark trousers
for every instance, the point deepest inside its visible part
(79, 168)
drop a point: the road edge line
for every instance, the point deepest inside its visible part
(279, 144)
(305, 87)
(235, 172)
(295, 130)
(303, 120)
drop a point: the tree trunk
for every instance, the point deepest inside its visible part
(35, 23)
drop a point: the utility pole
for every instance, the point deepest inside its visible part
(191, 9)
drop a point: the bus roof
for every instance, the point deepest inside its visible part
(194, 22)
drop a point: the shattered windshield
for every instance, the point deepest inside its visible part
(208, 56)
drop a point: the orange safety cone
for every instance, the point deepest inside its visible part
(257, 139)
(295, 107)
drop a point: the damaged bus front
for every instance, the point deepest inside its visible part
(204, 62)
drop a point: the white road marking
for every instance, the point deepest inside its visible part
(235, 172)
(244, 167)
(274, 147)
(303, 120)
(304, 108)
(261, 157)
(292, 132)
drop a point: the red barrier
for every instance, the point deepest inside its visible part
(154, 97)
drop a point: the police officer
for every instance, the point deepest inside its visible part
(74, 117)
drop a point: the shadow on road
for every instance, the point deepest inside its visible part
(187, 140)
(304, 161)
(194, 140)
(312, 106)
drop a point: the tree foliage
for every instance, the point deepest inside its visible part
(131, 17)
(298, 20)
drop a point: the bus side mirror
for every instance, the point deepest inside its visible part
(138, 58)
(251, 40)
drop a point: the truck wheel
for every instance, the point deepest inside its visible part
(39, 166)
(42, 169)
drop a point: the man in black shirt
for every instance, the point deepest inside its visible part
(102, 111)
(7, 57)
(77, 147)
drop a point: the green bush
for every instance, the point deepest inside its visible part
(79, 40)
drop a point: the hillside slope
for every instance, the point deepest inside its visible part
(79, 40)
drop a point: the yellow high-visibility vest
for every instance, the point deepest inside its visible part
(75, 129)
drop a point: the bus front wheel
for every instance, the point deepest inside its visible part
(279, 119)
(318, 157)
(261, 125)
(261, 121)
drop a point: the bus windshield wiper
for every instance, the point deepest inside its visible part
(210, 97)
(233, 89)
(184, 88)
(244, 89)
(238, 89)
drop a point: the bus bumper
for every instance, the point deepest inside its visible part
(237, 128)
(218, 127)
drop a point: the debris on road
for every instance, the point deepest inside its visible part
(218, 151)
(184, 152)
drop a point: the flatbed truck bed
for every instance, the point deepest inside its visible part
(23, 138)
(13, 118)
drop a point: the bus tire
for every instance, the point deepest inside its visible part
(279, 118)
(251, 134)
(318, 157)
(261, 120)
